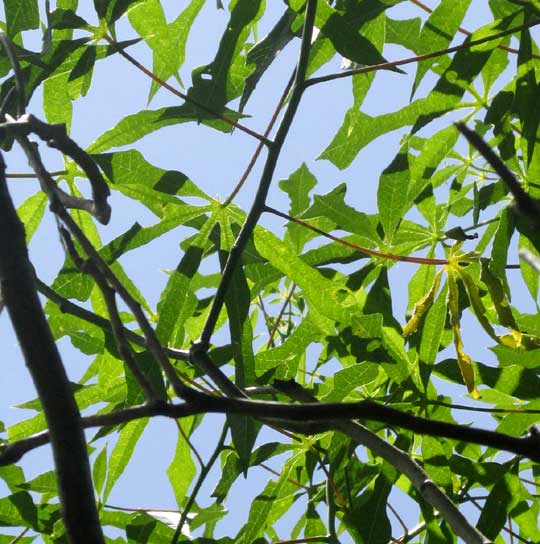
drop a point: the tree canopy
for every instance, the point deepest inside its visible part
(373, 363)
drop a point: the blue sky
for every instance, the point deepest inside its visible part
(214, 161)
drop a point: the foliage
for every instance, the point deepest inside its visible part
(300, 328)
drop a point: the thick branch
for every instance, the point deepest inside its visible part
(45, 366)
(526, 205)
(405, 464)
(314, 418)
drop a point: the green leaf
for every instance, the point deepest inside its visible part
(178, 300)
(122, 452)
(399, 369)
(57, 100)
(224, 78)
(331, 299)
(342, 27)
(501, 243)
(31, 213)
(298, 186)
(284, 359)
(182, 469)
(135, 126)
(351, 379)
(21, 15)
(431, 156)
(62, 19)
(99, 472)
(269, 504)
(18, 510)
(403, 32)
(433, 329)
(502, 498)
(367, 520)
(333, 206)
(112, 10)
(264, 52)
(436, 462)
(359, 129)
(438, 32)
(244, 429)
(130, 173)
(392, 195)
(167, 41)
(529, 275)
(85, 336)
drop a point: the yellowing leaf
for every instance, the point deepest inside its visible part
(498, 296)
(464, 361)
(423, 305)
(476, 302)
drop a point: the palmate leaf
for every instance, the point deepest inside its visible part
(329, 298)
(333, 206)
(167, 41)
(358, 129)
(339, 334)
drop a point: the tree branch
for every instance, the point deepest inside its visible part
(418, 58)
(258, 205)
(49, 376)
(315, 417)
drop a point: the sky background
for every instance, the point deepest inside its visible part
(214, 161)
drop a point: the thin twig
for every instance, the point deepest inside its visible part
(479, 409)
(48, 374)
(267, 132)
(280, 316)
(98, 206)
(257, 207)
(417, 58)
(17, 74)
(525, 204)
(55, 136)
(71, 308)
(469, 33)
(32, 175)
(58, 208)
(184, 96)
(124, 349)
(361, 249)
(198, 484)
(403, 463)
